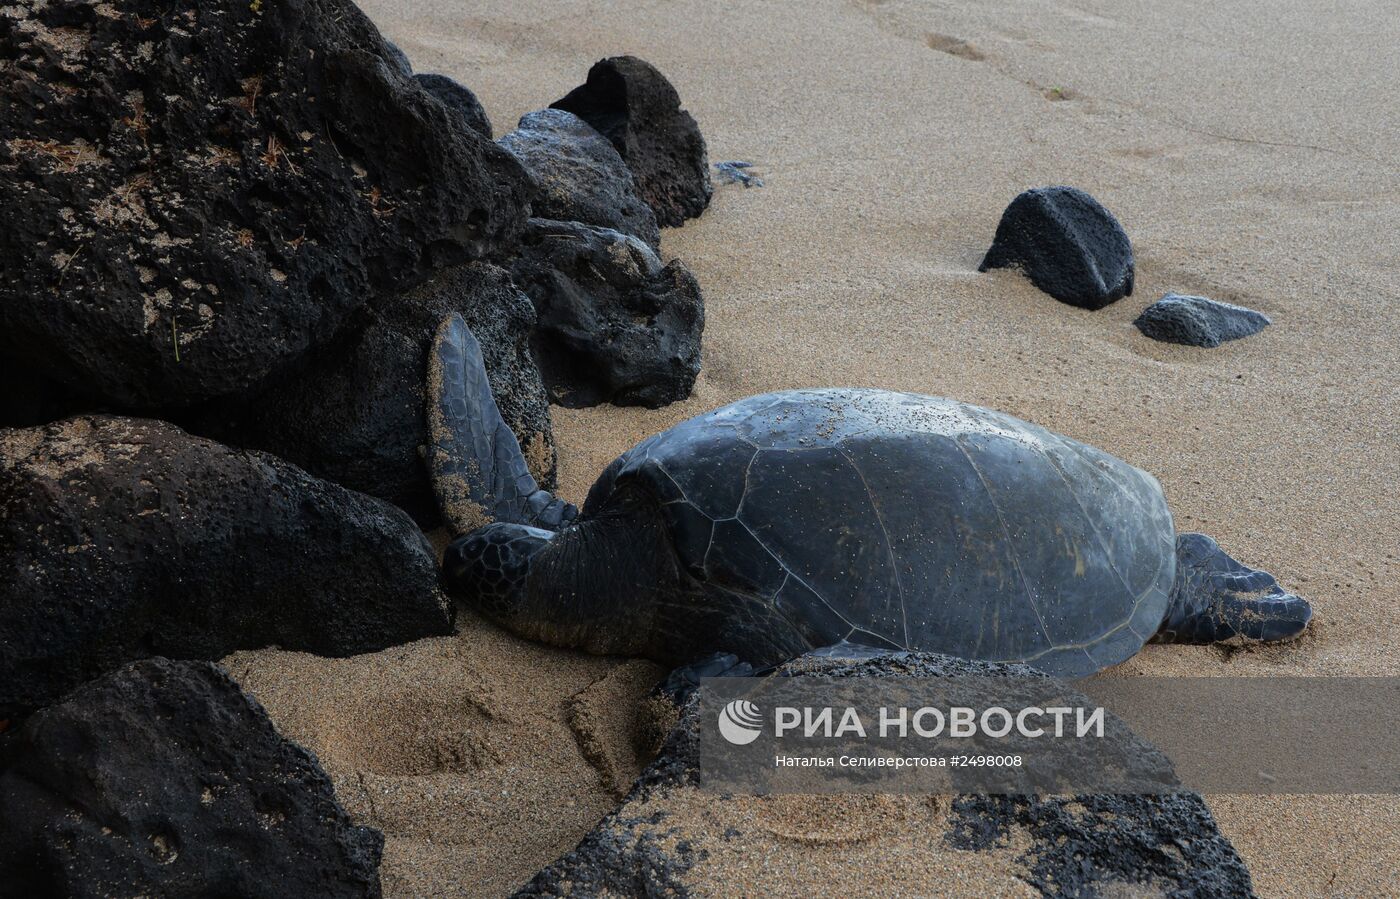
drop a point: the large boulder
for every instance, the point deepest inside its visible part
(1068, 244)
(580, 176)
(636, 108)
(195, 194)
(354, 415)
(164, 779)
(458, 98)
(672, 837)
(615, 324)
(127, 538)
(1198, 321)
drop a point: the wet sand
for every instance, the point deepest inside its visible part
(1249, 151)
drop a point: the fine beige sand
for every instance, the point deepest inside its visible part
(1249, 150)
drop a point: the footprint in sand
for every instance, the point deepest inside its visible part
(953, 46)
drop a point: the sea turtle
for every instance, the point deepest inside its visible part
(808, 518)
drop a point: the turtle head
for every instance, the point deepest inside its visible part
(489, 566)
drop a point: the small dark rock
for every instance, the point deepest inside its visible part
(1081, 846)
(398, 58)
(355, 414)
(1067, 244)
(615, 325)
(460, 100)
(581, 178)
(127, 538)
(636, 108)
(196, 195)
(1198, 321)
(164, 779)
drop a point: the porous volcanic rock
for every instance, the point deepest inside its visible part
(398, 58)
(615, 325)
(638, 110)
(127, 538)
(669, 835)
(195, 194)
(459, 99)
(1198, 321)
(355, 414)
(581, 178)
(164, 779)
(1069, 245)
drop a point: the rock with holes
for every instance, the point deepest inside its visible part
(128, 537)
(615, 324)
(636, 108)
(354, 414)
(1198, 321)
(195, 195)
(580, 176)
(670, 837)
(460, 100)
(1069, 245)
(164, 779)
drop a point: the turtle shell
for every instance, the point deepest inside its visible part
(914, 522)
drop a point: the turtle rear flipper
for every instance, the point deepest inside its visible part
(1217, 599)
(477, 469)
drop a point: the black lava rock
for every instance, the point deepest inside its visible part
(1080, 845)
(615, 325)
(164, 779)
(581, 178)
(460, 100)
(1087, 845)
(1197, 321)
(1067, 244)
(355, 415)
(636, 108)
(197, 194)
(398, 58)
(127, 538)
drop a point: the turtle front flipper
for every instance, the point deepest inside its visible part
(477, 469)
(685, 680)
(1216, 599)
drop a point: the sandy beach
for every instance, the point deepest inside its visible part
(1250, 153)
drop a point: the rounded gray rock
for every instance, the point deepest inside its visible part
(581, 178)
(1198, 321)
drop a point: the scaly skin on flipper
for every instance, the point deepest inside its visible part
(477, 468)
(1215, 599)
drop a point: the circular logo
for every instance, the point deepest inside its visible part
(740, 722)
